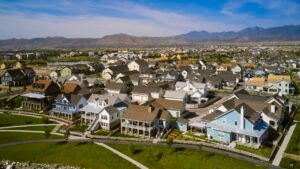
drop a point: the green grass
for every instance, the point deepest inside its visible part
(289, 163)
(164, 157)
(297, 116)
(36, 128)
(14, 120)
(262, 151)
(80, 128)
(294, 143)
(101, 133)
(85, 155)
(119, 134)
(6, 137)
(15, 102)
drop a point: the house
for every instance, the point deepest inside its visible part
(112, 71)
(9, 56)
(95, 67)
(279, 83)
(241, 124)
(70, 88)
(109, 118)
(40, 95)
(113, 87)
(65, 72)
(182, 124)
(138, 65)
(256, 84)
(93, 111)
(18, 77)
(142, 93)
(67, 106)
(144, 121)
(177, 95)
(54, 73)
(237, 70)
(196, 91)
(6, 65)
(221, 68)
(20, 64)
(175, 108)
(169, 76)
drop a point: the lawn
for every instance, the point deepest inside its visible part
(80, 128)
(101, 133)
(164, 157)
(36, 128)
(85, 155)
(14, 120)
(289, 163)
(262, 151)
(119, 134)
(6, 137)
(294, 143)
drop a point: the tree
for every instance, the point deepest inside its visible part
(169, 142)
(47, 133)
(67, 134)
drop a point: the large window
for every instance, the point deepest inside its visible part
(104, 117)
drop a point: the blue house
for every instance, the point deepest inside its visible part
(241, 124)
(67, 105)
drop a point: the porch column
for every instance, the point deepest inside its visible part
(251, 140)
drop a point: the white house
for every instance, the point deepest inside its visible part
(109, 118)
(138, 65)
(196, 91)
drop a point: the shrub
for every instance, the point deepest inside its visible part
(46, 120)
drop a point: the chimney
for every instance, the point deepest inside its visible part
(150, 109)
(272, 108)
(242, 118)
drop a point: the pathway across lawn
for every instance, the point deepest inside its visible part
(284, 144)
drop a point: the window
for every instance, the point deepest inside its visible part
(161, 122)
(104, 117)
(279, 84)
(235, 123)
(221, 134)
(286, 85)
(272, 123)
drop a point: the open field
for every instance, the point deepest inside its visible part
(13, 120)
(36, 128)
(164, 157)
(85, 155)
(6, 137)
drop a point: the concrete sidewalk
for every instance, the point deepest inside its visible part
(122, 155)
(284, 144)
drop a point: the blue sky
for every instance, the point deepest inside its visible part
(97, 18)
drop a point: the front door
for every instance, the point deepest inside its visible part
(233, 136)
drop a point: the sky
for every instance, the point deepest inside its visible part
(97, 18)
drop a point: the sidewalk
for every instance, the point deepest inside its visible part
(122, 155)
(284, 144)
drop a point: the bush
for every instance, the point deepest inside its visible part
(289, 163)
(46, 120)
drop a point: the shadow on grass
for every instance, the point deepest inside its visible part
(81, 143)
(207, 156)
(137, 151)
(61, 143)
(178, 149)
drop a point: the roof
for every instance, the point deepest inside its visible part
(111, 109)
(178, 94)
(249, 113)
(15, 72)
(40, 85)
(275, 115)
(34, 95)
(212, 116)
(256, 81)
(276, 78)
(70, 88)
(114, 86)
(140, 113)
(182, 120)
(72, 98)
(164, 103)
(109, 99)
(142, 63)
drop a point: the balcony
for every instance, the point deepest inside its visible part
(127, 125)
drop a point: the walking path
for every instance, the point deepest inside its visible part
(284, 144)
(122, 155)
(29, 131)
(29, 125)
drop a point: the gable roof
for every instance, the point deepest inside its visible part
(72, 98)
(40, 86)
(70, 88)
(164, 103)
(140, 113)
(178, 94)
(111, 109)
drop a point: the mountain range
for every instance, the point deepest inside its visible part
(251, 34)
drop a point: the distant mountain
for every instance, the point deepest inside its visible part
(252, 34)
